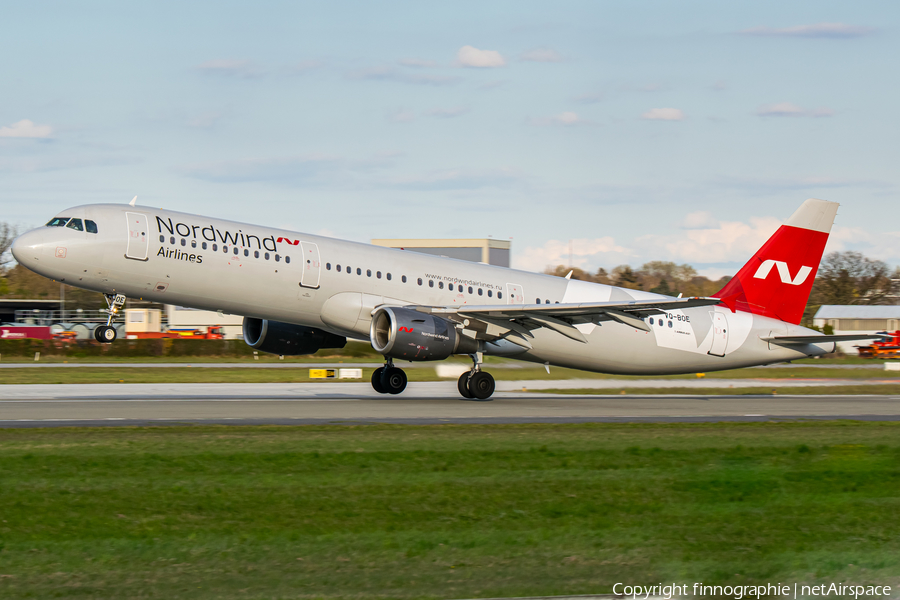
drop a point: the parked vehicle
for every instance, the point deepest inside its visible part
(887, 347)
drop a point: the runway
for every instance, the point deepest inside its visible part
(421, 403)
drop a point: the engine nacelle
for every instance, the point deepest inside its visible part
(288, 339)
(412, 335)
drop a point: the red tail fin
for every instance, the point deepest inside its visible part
(777, 280)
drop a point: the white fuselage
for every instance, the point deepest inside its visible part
(334, 285)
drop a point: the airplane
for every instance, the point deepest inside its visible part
(299, 293)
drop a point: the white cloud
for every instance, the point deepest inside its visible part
(469, 56)
(818, 30)
(664, 114)
(243, 69)
(417, 62)
(567, 119)
(787, 109)
(26, 129)
(447, 113)
(585, 254)
(401, 115)
(701, 219)
(541, 55)
(718, 242)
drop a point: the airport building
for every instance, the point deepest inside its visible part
(489, 250)
(857, 319)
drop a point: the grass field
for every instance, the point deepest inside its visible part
(443, 511)
(508, 370)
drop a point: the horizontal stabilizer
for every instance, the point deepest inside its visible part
(788, 340)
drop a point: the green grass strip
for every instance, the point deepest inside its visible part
(443, 511)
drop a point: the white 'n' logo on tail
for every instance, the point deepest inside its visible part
(763, 271)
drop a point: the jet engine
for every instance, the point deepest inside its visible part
(287, 339)
(410, 335)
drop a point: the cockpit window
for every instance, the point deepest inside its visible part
(58, 222)
(75, 224)
(90, 226)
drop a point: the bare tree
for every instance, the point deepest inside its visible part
(851, 278)
(7, 234)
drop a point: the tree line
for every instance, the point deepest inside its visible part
(844, 278)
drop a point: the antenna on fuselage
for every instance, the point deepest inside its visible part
(133, 200)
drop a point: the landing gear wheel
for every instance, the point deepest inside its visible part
(376, 380)
(393, 380)
(463, 385)
(481, 385)
(105, 334)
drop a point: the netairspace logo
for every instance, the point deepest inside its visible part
(740, 592)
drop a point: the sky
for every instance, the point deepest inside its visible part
(590, 133)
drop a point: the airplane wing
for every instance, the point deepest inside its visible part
(516, 321)
(789, 340)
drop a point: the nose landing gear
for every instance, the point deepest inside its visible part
(106, 334)
(476, 383)
(388, 379)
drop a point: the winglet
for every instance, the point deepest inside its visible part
(569, 275)
(133, 200)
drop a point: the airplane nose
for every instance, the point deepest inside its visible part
(27, 247)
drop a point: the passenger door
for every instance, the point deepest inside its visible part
(311, 270)
(720, 334)
(138, 240)
(514, 294)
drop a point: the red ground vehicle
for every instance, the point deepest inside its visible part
(212, 333)
(887, 347)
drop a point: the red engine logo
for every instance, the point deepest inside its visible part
(406, 329)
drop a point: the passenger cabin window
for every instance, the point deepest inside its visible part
(420, 281)
(430, 283)
(162, 238)
(287, 259)
(490, 293)
(58, 222)
(75, 224)
(440, 285)
(338, 268)
(204, 245)
(499, 295)
(327, 266)
(403, 278)
(378, 274)
(388, 276)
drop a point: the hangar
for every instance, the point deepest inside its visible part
(857, 319)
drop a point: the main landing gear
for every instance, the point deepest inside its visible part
(389, 379)
(106, 334)
(476, 383)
